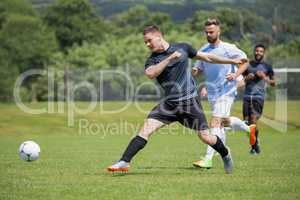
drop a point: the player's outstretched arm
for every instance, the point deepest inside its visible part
(154, 70)
(216, 59)
(241, 69)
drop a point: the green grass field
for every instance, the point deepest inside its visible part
(73, 159)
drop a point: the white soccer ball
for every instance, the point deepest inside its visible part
(29, 151)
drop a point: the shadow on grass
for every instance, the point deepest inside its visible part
(166, 167)
(161, 170)
(123, 174)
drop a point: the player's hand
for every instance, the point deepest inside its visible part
(175, 55)
(261, 74)
(271, 82)
(231, 77)
(243, 60)
(240, 61)
(250, 76)
(203, 92)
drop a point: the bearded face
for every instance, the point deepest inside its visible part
(259, 53)
(212, 33)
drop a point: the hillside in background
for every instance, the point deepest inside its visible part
(182, 9)
(80, 37)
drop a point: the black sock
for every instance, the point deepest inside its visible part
(256, 133)
(220, 147)
(135, 145)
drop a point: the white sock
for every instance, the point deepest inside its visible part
(209, 153)
(221, 134)
(238, 125)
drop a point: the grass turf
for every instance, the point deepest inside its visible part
(73, 159)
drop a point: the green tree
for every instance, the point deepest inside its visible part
(137, 17)
(20, 7)
(134, 17)
(28, 42)
(8, 75)
(285, 55)
(235, 25)
(74, 22)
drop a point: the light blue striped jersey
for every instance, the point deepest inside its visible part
(215, 74)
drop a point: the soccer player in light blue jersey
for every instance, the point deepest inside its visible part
(221, 85)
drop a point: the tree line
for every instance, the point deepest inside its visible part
(72, 39)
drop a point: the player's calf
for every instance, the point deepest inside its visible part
(219, 146)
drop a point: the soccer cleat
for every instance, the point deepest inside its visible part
(257, 146)
(257, 149)
(252, 152)
(228, 162)
(252, 134)
(203, 163)
(120, 166)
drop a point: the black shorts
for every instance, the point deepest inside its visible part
(189, 113)
(253, 106)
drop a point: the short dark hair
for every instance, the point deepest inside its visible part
(212, 21)
(260, 45)
(151, 29)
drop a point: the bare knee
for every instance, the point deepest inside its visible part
(145, 133)
(216, 122)
(226, 122)
(206, 137)
(253, 119)
(150, 126)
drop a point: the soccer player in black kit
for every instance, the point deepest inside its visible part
(256, 76)
(168, 63)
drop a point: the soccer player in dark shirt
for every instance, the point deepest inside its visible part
(257, 75)
(168, 63)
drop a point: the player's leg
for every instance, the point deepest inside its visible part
(207, 160)
(161, 115)
(220, 109)
(237, 124)
(215, 142)
(247, 112)
(247, 115)
(139, 141)
(253, 119)
(254, 144)
(256, 112)
(136, 144)
(192, 116)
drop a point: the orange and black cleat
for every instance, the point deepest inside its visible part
(252, 134)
